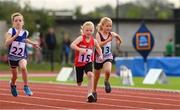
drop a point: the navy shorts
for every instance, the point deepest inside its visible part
(80, 71)
(99, 66)
(13, 64)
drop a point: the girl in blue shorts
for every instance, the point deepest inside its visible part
(16, 39)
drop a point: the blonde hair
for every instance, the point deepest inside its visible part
(87, 23)
(102, 22)
(16, 14)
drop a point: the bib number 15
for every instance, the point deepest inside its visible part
(85, 57)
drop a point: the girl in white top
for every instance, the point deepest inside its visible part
(104, 37)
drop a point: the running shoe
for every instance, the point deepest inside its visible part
(107, 87)
(90, 98)
(95, 96)
(14, 90)
(27, 91)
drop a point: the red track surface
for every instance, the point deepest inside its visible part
(58, 96)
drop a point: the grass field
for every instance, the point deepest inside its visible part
(35, 67)
(173, 82)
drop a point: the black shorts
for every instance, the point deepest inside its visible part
(99, 66)
(13, 64)
(80, 71)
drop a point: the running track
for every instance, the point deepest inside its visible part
(59, 96)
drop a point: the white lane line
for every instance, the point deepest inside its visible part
(120, 100)
(112, 94)
(117, 92)
(71, 101)
(116, 88)
(67, 90)
(38, 105)
(115, 95)
(131, 96)
(123, 100)
(123, 95)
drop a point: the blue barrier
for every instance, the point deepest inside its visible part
(170, 65)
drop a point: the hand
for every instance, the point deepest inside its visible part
(36, 45)
(118, 43)
(82, 51)
(17, 33)
(101, 57)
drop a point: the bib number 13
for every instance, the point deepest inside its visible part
(106, 50)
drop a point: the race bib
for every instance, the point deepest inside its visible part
(85, 57)
(106, 49)
(17, 49)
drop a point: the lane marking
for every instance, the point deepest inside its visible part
(98, 104)
(38, 105)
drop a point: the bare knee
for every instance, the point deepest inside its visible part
(90, 75)
(107, 72)
(22, 64)
(23, 69)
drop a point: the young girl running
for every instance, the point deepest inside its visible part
(84, 55)
(16, 39)
(104, 37)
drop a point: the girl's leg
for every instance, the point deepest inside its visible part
(14, 91)
(90, 76)
(14, 72)
(79, 75)
(91, 97)
(22, 65)
(107, 69)
(96, 78)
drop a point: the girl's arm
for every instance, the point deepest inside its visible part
(98, 48)
(35, 44)
(118, 37)
(102, 43)
(75, 43)
(9, 38)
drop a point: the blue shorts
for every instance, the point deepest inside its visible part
(13, 64)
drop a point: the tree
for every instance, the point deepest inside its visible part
(32, 17)
(7, 8)
(159, 9)
(78, 12)
(99, 12)
(106, 10)
(152, 9)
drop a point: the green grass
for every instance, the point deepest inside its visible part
(4, 67)
(35, 67)
(173, 82)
